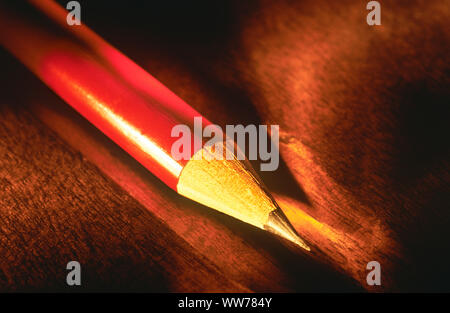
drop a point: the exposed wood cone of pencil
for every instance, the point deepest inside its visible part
(135, 111)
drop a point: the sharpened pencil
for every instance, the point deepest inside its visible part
(135, 111)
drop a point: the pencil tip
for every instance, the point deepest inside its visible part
(232, 187)
(279, 225)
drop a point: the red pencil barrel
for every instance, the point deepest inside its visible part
(121, 99)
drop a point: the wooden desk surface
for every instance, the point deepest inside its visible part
(363, 115)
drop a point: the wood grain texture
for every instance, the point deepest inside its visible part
(363, 115)
(50, 216)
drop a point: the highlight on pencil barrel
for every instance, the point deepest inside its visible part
(136, 111)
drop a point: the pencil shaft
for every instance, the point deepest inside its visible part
(116, 95)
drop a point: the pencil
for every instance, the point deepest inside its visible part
(136, 111)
